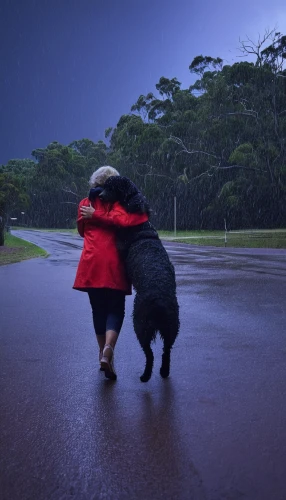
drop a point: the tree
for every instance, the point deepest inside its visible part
(223, 149)
(12, 200)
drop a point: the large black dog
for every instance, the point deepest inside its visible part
(152, 275)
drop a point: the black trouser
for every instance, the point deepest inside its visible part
(108, 309)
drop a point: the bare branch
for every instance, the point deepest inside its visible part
(68, 203)
(251, 41)
(179, 141)
(240, 166)
(70, 192)
(212, 170)
(248, 46)
(150, 173)
(164, 126)
(248, 112)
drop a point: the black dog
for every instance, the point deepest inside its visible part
(152, 275)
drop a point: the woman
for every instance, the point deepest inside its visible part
(101, 272)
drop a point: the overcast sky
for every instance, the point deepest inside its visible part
(70, 68)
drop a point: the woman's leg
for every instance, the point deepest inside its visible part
(115, 316)
(101, 340)
(111, 337)
(97, 298)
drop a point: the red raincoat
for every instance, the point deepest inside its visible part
(100, 264)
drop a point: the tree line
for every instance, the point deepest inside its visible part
(218, 146)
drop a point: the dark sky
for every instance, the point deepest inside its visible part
(70, 68)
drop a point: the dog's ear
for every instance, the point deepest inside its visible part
(145, 207)
(138, 204)
(128, 186)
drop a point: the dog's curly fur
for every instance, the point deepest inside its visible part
(152, 275)
(122, 189)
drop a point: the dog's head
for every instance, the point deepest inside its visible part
(124, 191)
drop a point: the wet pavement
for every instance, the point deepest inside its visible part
(215, 430)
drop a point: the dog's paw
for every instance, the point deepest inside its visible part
(145, 377)
(164, 372)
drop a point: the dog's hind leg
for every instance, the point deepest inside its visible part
(168, 334)
(166, 358)
(145, 334)
(149, 364)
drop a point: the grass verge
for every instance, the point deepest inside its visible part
(272, 238)
(16, 250)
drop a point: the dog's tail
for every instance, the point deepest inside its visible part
(162, 316)
(155, 312)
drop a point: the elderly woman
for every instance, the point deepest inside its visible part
(101, 272)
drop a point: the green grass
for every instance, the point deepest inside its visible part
(16, 250)
(271, 238)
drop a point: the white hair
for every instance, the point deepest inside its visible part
(99, 177)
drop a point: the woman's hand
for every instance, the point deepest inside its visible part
(87, 212)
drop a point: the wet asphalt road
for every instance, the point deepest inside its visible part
(215, 430)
